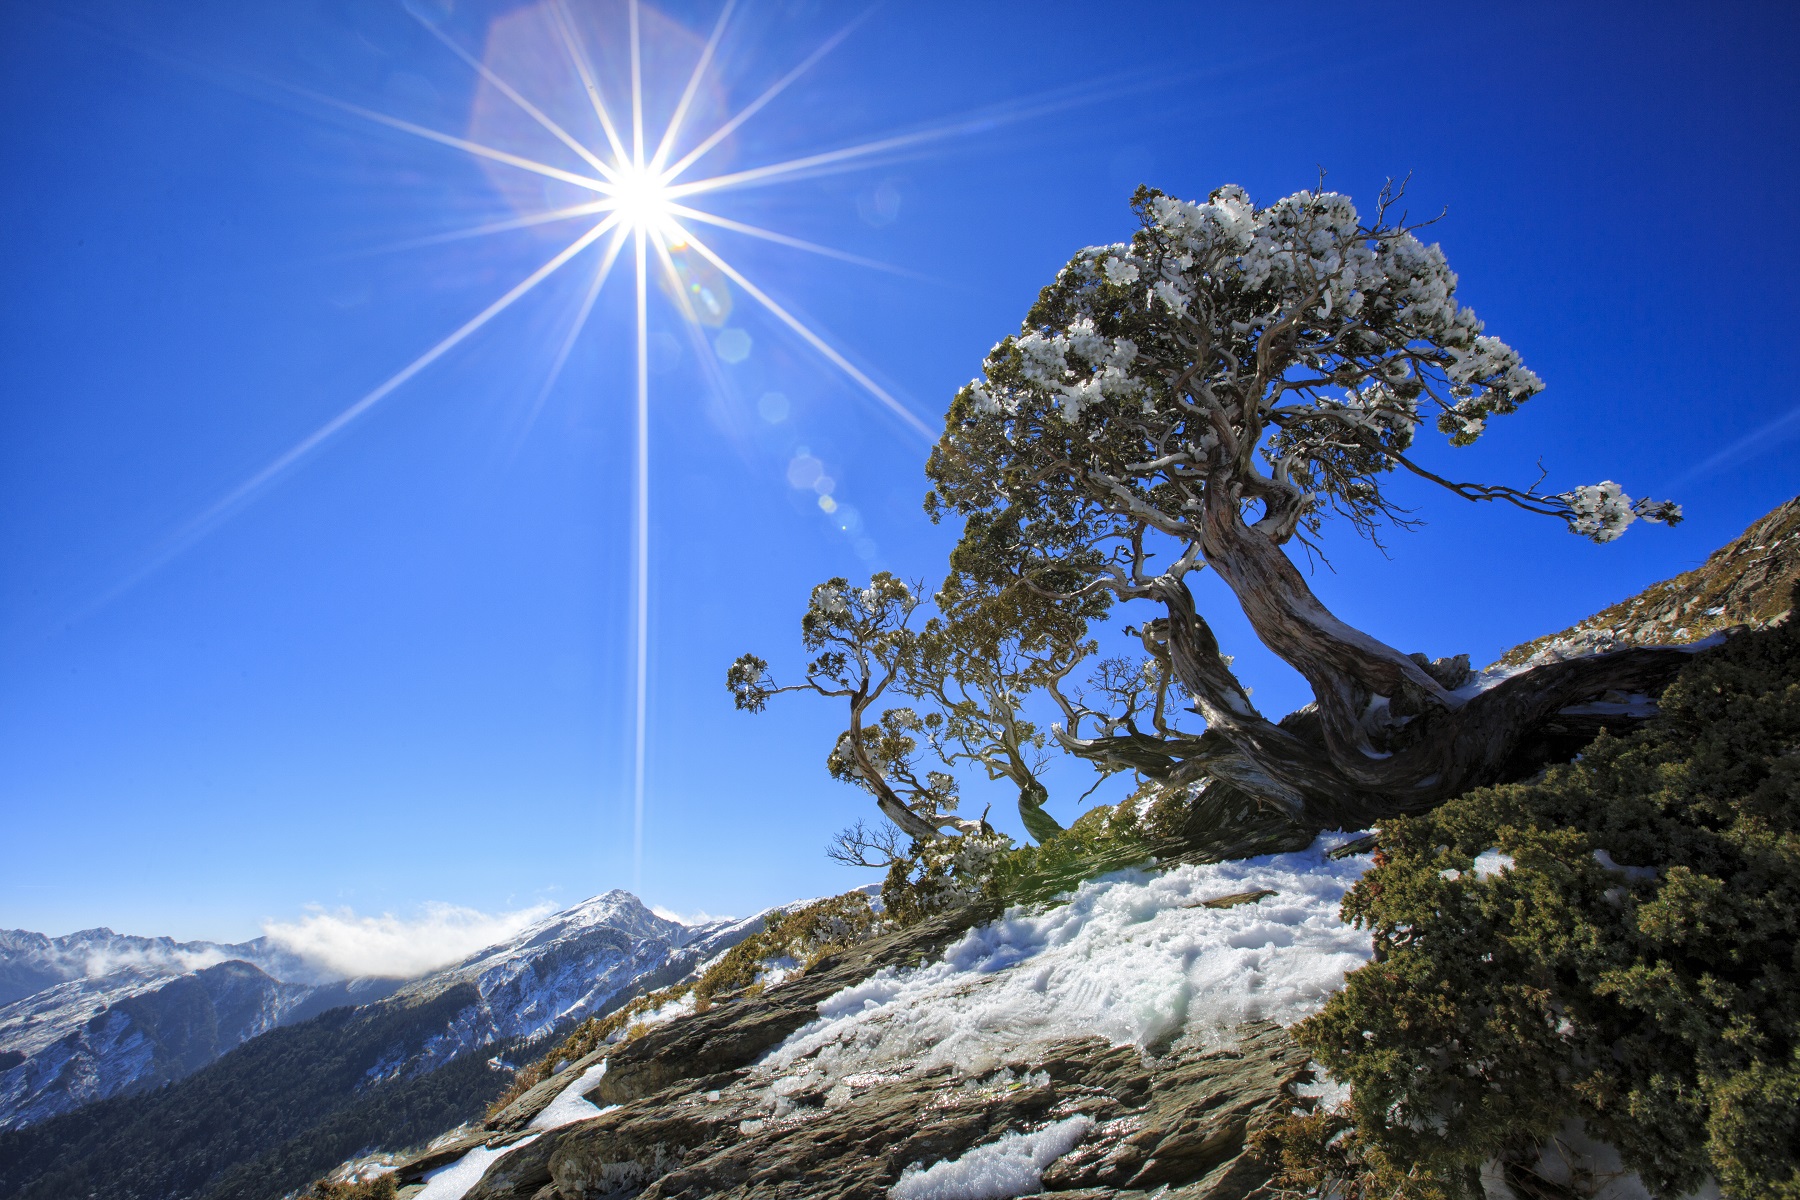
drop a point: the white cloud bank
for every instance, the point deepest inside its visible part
(702, 917)
(392, 947)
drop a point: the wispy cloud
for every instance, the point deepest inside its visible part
(97, 962)
(1764, 438)
(693, 918)
(393, 947)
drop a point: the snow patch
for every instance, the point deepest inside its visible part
(1325, 1092)
(571, 1104)
(1012, 1166)
(1132, 957)
(454, 1181)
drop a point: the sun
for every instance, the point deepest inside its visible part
(644, 190)
(642, 199)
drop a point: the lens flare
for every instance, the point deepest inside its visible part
(640, 182)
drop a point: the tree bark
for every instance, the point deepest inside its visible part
(1390, 739)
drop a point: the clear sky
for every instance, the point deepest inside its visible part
(400, 671)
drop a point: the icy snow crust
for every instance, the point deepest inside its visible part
(1012, 1166)
(1129, 957)
(454, 1181)
(571, 1104)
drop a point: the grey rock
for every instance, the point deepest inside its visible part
(734, 1035)
(1176, 1125)
(520, 1112)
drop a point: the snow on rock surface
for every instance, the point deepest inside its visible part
(454, 1181)
(1012, 1166)
(571, 1104)
(1132, 957)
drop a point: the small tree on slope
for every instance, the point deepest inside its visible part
(1211, 392)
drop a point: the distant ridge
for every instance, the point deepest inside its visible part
(291, 1102)
(96, 1013)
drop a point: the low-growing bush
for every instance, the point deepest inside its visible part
(1158, 824)
(1614, 942)
(379, 1188)
(1321, 1154)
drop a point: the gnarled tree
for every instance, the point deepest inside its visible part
(1202, 397)
(965, 674)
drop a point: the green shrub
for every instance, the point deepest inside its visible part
(1158, 824)
(1322, 1154)
(379, 1188)
(802, 936)
(1657, 1002)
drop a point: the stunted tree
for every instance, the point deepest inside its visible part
(1222, 386)
(964, 676)
(863, 640)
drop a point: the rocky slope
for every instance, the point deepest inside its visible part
(859, 1078)
(1122, 1040)
(1746, 582)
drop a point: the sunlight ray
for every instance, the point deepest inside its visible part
(199, 526)
(1046, 104)
(814, 340)
(781, 170)
(642, 564)
(581, 318)
(780, 85)
(464, 144)
(325, 431)
(531, 110)
(565, 31)
(591, 208)
(694, 214)
(693, 85)
(637, 98)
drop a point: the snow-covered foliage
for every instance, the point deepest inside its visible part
(1300, 334)
(1601, 511)
(1133, 957)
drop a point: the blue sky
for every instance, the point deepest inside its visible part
(401, 672)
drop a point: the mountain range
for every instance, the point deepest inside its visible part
(98, 1014)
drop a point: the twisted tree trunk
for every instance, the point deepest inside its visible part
(1388, 737)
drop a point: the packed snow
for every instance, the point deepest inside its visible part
(454, 1181)
(571, 1104)
(1133, 957)
(1012, 1166)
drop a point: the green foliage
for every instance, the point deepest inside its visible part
(942, 873)
(1322, 1154)
(946, 872)
(801, 937)
(1656, 1001)
(1106, 838)
(380, 1188)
